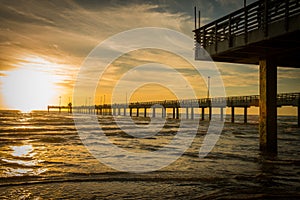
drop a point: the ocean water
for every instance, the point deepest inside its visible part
(43, 157)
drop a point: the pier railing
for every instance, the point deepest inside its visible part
(283, 99)
(257, 15)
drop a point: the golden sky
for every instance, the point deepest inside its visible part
(44, 43)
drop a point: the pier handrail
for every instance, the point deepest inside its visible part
(249, 99)
(283, 99)
(257, 15)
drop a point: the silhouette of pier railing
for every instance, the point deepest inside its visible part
(285, 99)
(257, 22)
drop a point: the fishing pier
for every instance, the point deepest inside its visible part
(264, 33)
(187, 106)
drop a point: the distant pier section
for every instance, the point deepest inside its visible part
(60, 108)
(179, 106)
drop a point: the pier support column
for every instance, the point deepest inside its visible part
(119, 111)
(202, 113)
(145, 112)
(137, 112)
(153, 112)
(125, 111)
(177, 113)
(222, 113)
(298, 116)
(245, 115)
(232, 114)
(192, 113)
(163, 112)
(187, 113)
(210, 113)
(130, 112)
(268, 106)
(173, 113)
(298, 113)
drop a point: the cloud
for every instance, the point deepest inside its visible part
(63, 32)
(68, 28)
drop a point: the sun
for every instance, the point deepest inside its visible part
(28, 89)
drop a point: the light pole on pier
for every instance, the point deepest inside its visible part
(208, 86)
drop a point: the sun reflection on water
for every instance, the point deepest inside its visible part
(23, 151)
(23, 162)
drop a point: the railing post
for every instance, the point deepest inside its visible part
(216, 36)
(195, 17)
(266, 17)
(259, 16)
(230, 42)
(287, 14)
(246, 25)
(204, 39)
(199, 19)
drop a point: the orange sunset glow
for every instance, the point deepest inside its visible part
(41, 52)
(149, 99)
